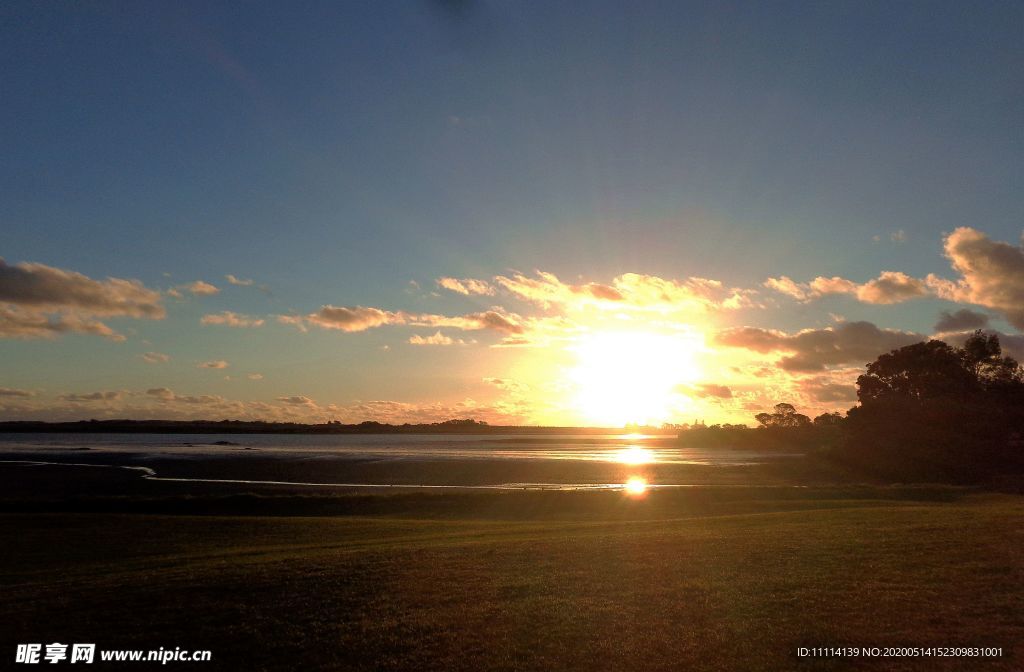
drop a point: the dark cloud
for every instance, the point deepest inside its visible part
(92, 396)
(815, 349)
(43, 286)
(1012, 344)
(825, 390)
(961, 320)
(297, 400)
(17, 322)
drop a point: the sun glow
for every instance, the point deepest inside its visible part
(632, 377)
(634, 455)
(636, 486)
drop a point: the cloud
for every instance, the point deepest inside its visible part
(16, 322)
(39, 301)
(204, 399)
(991, 274)
(361, 318)
(28, 284)
(167, 395)
(815, 349)
(297, 401)
(889, 287)
(789, 287)
(493, 319)
(827, 391)
(629, 291)
(230, 319)
(507, 384)
(1012, 344)
(898, 236)
(466, 286)
(214, 364)
(437, 339)
(92, 396)
(155, 357)
(197, 288)
(961, 320)
(232, 280)
(255, 376)
(11, 392)
(704, 390)
(348, 319)
(297, 321)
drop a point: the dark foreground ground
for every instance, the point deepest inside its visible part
(711, 578)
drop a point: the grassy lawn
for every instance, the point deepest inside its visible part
(728, 588)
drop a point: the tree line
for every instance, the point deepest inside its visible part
(927, 412)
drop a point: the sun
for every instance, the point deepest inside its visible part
(625, 377)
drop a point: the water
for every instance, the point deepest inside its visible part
(615, 448)
(512, 461)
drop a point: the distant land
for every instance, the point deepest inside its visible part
(260, 427)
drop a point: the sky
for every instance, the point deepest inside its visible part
(568, 213)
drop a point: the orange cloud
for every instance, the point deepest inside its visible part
(437, 339)
(230, 319)
(888, 287)
(466, 286)
(628, 292)
(992, 274)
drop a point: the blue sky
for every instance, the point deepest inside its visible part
(332, 152)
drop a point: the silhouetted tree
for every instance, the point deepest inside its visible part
(931, 411)
(785, 415)
(828, 420)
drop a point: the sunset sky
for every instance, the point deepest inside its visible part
(549, 212)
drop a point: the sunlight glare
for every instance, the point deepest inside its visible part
(636, 486)
(632, 377)
(634, 455)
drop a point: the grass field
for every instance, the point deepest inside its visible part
(677, 581)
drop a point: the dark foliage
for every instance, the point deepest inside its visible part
(783, 430)
(931, 411)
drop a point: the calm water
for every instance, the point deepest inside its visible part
(627, 449)
(342, 460)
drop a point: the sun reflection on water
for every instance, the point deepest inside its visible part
(634, 455)
(636, 486)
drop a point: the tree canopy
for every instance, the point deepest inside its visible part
(935, 411)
